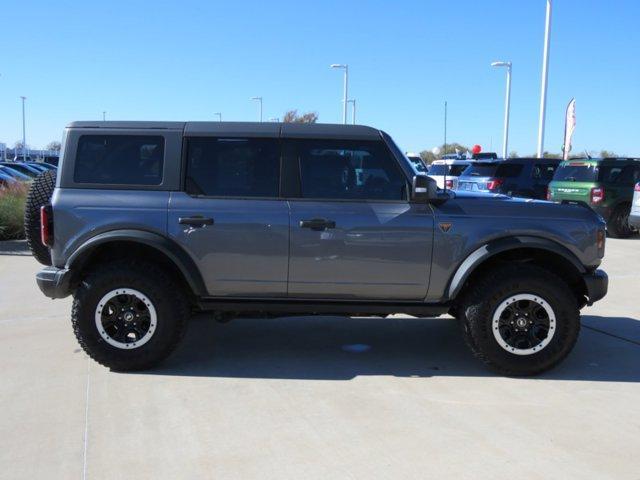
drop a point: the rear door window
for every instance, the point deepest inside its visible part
(119, 159)
(233, 167)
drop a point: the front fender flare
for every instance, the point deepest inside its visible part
(164, 245)
(488, 250)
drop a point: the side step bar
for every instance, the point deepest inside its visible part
(315, 307)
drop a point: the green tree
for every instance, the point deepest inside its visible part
(513, 154)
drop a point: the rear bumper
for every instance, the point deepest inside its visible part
(54, 282)
(634, 219)
(597, 283)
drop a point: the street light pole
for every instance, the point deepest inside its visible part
(345, 95)
(545, 76)
(104, 116)
(219, 115)
(24, 135)
(353, 111)
(507, 107)
(259, 99)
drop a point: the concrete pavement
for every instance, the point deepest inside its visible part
(288, 398)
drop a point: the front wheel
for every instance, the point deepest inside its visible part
(520, 320)
(128, 315)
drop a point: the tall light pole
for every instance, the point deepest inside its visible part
(507, 107)
(219, 115)
(545, 76)
(24, 134)
(259, 99)
(345, 95)
(104, 116)
(353, 112)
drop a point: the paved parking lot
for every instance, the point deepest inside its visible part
(321, 398)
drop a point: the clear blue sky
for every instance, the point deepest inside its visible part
(168, 60)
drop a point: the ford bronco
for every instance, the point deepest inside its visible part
(148, 222)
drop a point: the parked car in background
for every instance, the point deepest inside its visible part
(417, 163)
(21, 177)
(6, 179)
(517, 177)
(43, 166)
(604, 184)
(634, 217)
(24, 168)
(38, 165)
(446, 172)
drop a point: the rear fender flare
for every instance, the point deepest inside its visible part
(164, 245)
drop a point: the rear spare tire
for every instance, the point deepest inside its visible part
(39, 195)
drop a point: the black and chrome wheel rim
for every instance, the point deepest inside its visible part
(524, 324)
(126, 318)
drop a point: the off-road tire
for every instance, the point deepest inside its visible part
(39, 194)
(618, 224)
(483, 297)
(168, 299)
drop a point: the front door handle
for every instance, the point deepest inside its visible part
(195, 221)
(317, 224)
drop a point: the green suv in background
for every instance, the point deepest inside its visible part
(604, 184)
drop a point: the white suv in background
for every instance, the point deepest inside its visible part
(451, 169)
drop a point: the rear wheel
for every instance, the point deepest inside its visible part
(129, 316)
(520, 320)
(39, 195)
(618, 224)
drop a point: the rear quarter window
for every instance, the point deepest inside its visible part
(119, 159)
(509, 170)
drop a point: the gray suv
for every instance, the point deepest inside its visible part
(152, 221)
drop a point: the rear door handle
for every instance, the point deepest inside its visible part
(195, 221)
(317, 224)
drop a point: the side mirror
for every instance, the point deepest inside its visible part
(424, 189)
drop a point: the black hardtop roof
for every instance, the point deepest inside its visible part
(268, 129)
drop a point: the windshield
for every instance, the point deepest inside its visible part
(449, 170)
(576, 172)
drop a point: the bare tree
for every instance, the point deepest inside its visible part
(292, 117)
(55, 146)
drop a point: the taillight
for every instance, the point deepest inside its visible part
(448, 184)
(494, 184)
(600, 239)
(46, 222)
(549, 195)
(597, 195)
(637, 187)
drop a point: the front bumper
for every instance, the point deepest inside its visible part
(597, 283)
(54, 282)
